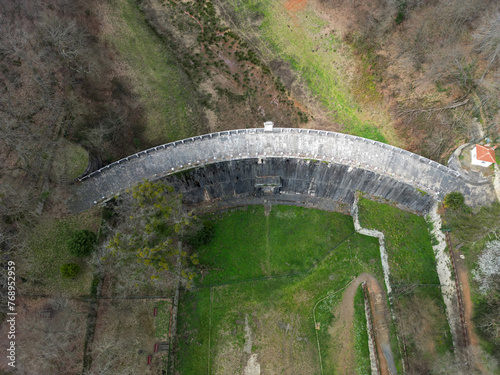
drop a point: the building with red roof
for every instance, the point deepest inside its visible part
(482, 156)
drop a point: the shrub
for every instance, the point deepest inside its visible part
(70, 270)
(82, 242)
(94, 285)
(107, 213)
(400, 17)
(454, 200)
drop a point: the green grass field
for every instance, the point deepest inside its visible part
(163, 87)
(70, 161)
(319, 57)
(214, 321)
(279, 245)
(408, 242)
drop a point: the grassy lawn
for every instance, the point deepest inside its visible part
(358, 254)
(411, 258)
(77, 159)
(162, 320)
(319, 57)
(411, 262)
(70, 160)
(162, 85)
(47, 246)
(193, 329)
(214, 322)
(248, 244)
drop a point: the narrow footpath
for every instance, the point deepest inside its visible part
(343, 327)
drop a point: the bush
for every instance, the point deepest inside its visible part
(454, 200)
(94, 285)
(107, 213)
(400, 17)
(70, 270)
(81, 243)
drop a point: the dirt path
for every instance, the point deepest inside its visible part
(342, 329)
(343, 326)
(295, 5)
(464, 282)
(468, 308)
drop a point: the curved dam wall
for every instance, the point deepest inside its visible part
(290, 181)
(304, 162)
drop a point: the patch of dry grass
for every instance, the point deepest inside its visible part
(46, 251)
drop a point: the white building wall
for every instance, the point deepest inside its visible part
(474, 160)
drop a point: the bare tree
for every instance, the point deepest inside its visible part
(487, 41)
(63, 35)
(52, 339)
(487, 273)
(472, 361)
(107, 358)
(106, 130)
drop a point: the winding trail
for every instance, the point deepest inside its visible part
(343, 327)
(381, 315)
(474, 350)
